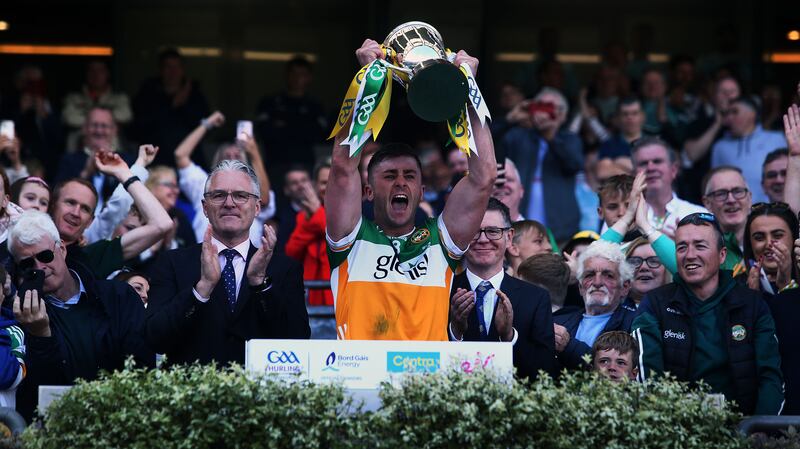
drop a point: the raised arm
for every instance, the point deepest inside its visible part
(343, 196)
(183, 153)
(251, 148)
(791, 128)
(158, 221)
(466, 205)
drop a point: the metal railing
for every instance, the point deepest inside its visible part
(770, 424)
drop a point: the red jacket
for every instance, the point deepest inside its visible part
(307, 245)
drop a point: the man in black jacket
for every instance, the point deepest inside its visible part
(80, 325)
(604, 279)
(488, 305)
(207, 300)
(706, 326)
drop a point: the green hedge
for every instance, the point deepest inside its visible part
(207, 407)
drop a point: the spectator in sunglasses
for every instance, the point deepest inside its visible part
(74, 324)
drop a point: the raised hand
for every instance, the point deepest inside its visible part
(257, 267)
(572, 262)
(31, 314)
(210, 270)
(464, 57)
(791, 129)
(111, 164)
(369, 51)
(754, 276)
(147, 153)
(504, 317)
(782, 255)
(310, 201)
(461, 305)
(216, 119)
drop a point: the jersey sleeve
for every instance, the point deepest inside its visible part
(338, 250)
(451, 251)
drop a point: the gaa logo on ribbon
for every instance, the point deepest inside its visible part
(282, 357)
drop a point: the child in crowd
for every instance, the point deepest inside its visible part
(614, 356)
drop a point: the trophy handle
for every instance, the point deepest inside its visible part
(391, 60)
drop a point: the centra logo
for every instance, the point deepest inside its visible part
(669, 333)
(282, 357)
(412, 362)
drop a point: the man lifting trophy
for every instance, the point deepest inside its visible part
(438, 89)
(390, 279)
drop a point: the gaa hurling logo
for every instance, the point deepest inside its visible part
(412, 362)
(283, 362)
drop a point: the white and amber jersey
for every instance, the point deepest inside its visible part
(393, 288)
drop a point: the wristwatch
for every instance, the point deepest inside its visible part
(263, 286)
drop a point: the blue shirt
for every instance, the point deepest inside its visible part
(591, 327)
(536, 200)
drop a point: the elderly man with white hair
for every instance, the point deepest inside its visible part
(75, 325)
(604, 278)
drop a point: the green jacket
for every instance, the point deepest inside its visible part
(728, 341)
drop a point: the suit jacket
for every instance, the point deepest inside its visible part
(185, 329)
(563, 160)
(533, 320)
(572, 356)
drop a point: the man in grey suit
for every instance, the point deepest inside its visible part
(548, 158)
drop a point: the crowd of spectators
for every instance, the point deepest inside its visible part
(654, 202)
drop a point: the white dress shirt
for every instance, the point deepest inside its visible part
(489, 299)
(239, 262)
(676, 209)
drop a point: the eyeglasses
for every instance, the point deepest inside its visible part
(218, 197)
(45, 256)
(772, 174)
(722, 194)
(652, 261)
(491, 233)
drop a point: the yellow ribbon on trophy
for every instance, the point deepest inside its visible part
(360, 107)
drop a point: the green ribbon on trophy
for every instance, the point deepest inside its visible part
(437, 90)
(366, 105)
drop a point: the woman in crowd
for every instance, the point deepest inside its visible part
(30, 193)
(770, 231)
(650, 271)
(163, 182)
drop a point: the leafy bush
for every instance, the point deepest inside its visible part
(194, 407)
(206, 407)
(451, 410)
(789, 439)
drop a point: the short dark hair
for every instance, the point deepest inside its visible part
(497, 206)
(619, 341)
(774, 154)
(648, 141)
(169, 53)
(126, 274)
(548, 271)
(299, 61)
(60, 185)
(704, 219)
(679, 59)
(627, 101)
(617, 184)
(707, 177)
(391, 151)
(296, 167)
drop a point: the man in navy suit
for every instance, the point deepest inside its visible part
(488, 305)
(208, 299)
